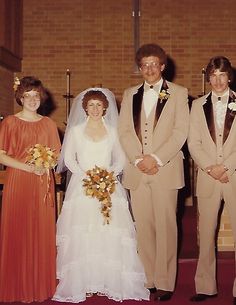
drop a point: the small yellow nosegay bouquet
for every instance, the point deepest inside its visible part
(100, 184)
(41, 156)
(16, 83)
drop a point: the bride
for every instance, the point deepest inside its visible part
(96, 250)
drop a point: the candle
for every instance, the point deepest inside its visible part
(68, 82)
(203, 81)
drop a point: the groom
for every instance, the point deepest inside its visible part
(153, 127)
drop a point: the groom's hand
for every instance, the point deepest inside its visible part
(148, 165)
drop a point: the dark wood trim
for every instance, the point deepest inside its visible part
(11, 34)
(225, 254)
(136, 27)
(9, 60)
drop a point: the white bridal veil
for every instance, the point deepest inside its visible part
(78, 116)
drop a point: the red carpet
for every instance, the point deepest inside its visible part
(184, 288)
(187, 231)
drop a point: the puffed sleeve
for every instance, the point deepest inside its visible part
(5, 135)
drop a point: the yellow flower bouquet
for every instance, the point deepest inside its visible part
(100, 184)
(41, 156)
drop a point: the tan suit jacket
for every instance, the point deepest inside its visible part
(202, 143)
(169, 134)
(205, 152)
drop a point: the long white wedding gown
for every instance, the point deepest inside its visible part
(93, 256)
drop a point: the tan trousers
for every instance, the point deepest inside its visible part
(154, 209)
(205, 278)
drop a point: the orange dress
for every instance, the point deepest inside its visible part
(27, 236)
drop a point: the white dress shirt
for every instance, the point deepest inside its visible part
(220, 107)
(150, 96)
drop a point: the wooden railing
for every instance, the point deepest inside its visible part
(2, 176)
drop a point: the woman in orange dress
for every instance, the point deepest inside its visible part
(27, 234)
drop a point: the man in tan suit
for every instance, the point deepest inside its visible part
(212, 144)
(153, 127)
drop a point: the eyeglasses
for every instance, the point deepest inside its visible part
(35, 97)
(152, 65)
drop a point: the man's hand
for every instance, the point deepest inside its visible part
(148, 165)
(224, 178)
(217, 172)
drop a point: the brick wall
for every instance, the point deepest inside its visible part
(94, 39)
(91, 38)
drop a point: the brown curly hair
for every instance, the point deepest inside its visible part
(95, 95)
(29, 83)
(150, 49)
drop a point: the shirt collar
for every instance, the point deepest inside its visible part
(156, 86)
(226, 93)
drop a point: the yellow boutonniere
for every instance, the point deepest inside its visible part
(232, 106)
(164, 95)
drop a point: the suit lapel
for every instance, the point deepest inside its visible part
(229, 117)
(137, 106)
(208, 110)
(161, 102)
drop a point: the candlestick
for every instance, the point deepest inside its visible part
(67, 96)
